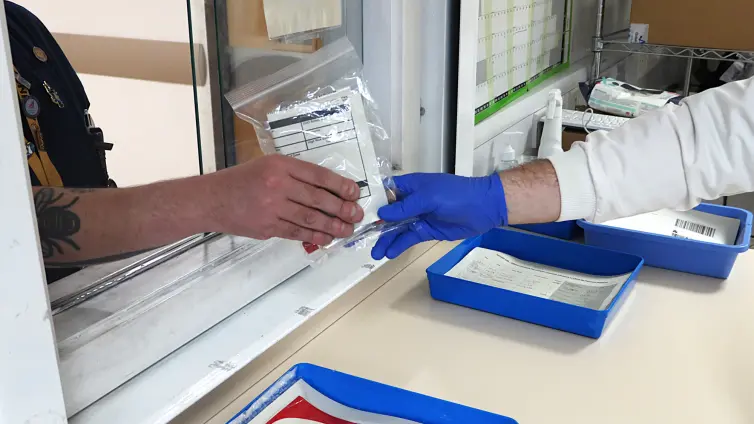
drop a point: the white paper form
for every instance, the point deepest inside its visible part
(302, 404)
(287, 17)
(332, 131)
(693, 225)
(496, 269)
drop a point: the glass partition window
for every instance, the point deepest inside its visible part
(246, 53)
(114, 321)
(137, 86)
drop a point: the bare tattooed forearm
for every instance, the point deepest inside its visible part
(82, 227)
(273, 196)
(58, 224)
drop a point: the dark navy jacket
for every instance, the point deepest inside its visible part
(68, 141)
(69, 144)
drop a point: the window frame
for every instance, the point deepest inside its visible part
(30, 387)
(26, 326)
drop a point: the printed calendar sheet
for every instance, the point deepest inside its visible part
(519, 41)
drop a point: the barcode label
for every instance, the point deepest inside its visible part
(697, 228)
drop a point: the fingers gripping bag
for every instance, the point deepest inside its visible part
(319, 110)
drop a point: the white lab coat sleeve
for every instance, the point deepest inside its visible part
(671, 158)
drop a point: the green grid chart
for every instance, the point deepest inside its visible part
(520, 44)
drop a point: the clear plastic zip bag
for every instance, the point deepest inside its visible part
(319, 110)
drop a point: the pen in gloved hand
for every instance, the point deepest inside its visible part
(450, 207)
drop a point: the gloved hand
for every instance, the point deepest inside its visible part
(449, 207)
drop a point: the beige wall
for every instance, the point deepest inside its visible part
(152, 124)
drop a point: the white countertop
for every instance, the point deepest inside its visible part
(678, 352)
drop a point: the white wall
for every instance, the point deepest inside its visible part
(152, 124)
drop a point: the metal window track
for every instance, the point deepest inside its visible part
(108, 282)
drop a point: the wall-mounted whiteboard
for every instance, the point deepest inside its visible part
(519, 43)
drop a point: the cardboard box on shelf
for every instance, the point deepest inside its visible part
(571, 136)
(722, 24)
(247, 27)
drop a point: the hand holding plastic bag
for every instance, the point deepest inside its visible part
(449, 207)
(319, 110)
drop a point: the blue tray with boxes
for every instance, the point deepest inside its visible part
(359, 394)
(661, 251)
(538, 310)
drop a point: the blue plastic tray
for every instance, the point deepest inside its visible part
(692, 256)
(369, 396)
(547, 251)
(562, 230)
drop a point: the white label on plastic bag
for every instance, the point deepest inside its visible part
(496, 269)
(332, 131)
(287, 17)
(693, 225)
(303, 404)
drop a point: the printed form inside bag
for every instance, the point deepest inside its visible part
(332, 131)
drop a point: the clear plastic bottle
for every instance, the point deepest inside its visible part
(551, 142)
(506, 159)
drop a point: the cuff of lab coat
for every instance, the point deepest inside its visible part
(577, 196)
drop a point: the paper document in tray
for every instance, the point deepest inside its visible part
(333, 132)
(302, 404)
(496, 269)
(693, 225)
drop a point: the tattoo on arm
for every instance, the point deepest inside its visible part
(58, 226)
(57, 223)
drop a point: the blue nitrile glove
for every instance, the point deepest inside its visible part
(449, 207)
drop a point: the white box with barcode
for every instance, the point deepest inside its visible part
(705, 241)
(691, 225)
